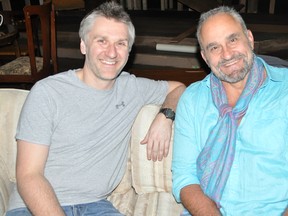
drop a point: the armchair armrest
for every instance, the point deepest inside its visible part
(6, 186)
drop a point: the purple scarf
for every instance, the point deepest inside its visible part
(216, 158)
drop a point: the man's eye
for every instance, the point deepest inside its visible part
(214, 48)
(123, 43)
(101, 41)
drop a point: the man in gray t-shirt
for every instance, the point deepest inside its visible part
(74, 127)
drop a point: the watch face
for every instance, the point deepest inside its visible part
(169, 113)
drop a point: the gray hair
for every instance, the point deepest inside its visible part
(109, 10)
(222, 9)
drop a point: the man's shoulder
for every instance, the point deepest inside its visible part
(197, 92)
(274, 61)
(138, 81)
(277, 73)
(199, 87)
(63, 81)
(60, 78)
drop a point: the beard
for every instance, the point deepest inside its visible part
(237, 74)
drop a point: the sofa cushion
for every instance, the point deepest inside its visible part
(6, 187)
(157, 204)
(148, 176)
(124, 202)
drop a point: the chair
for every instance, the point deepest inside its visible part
(9, 46)
(30, 69)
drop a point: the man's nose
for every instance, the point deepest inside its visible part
(111, 51)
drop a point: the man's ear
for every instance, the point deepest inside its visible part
(82, 47)
(203, 56)
(250, 38)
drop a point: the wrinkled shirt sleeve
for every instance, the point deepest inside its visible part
(185, 151)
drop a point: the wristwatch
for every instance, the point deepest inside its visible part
(169, 113)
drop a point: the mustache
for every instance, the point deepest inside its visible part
(233, 58)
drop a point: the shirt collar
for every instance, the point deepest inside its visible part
(276, 77)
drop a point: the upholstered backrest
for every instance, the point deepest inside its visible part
(11, 101)
(148, 176)
(152, 181)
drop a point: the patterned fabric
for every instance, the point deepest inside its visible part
(151, 181)
(216, 158)
(156, 204)
(20, 66)
(148, 176)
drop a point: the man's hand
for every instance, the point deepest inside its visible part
(159, 134)
(197, 203)
(285, 212)
(158, 138)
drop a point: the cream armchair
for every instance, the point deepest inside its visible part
(144, 190)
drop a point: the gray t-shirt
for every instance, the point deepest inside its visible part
(88, 132)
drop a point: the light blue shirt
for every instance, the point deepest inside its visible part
(258, 181)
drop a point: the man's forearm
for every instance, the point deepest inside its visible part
(197, 203)
(39, 196)
(173, 97)
(159, 134)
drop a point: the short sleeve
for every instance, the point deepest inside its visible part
(36, 119)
